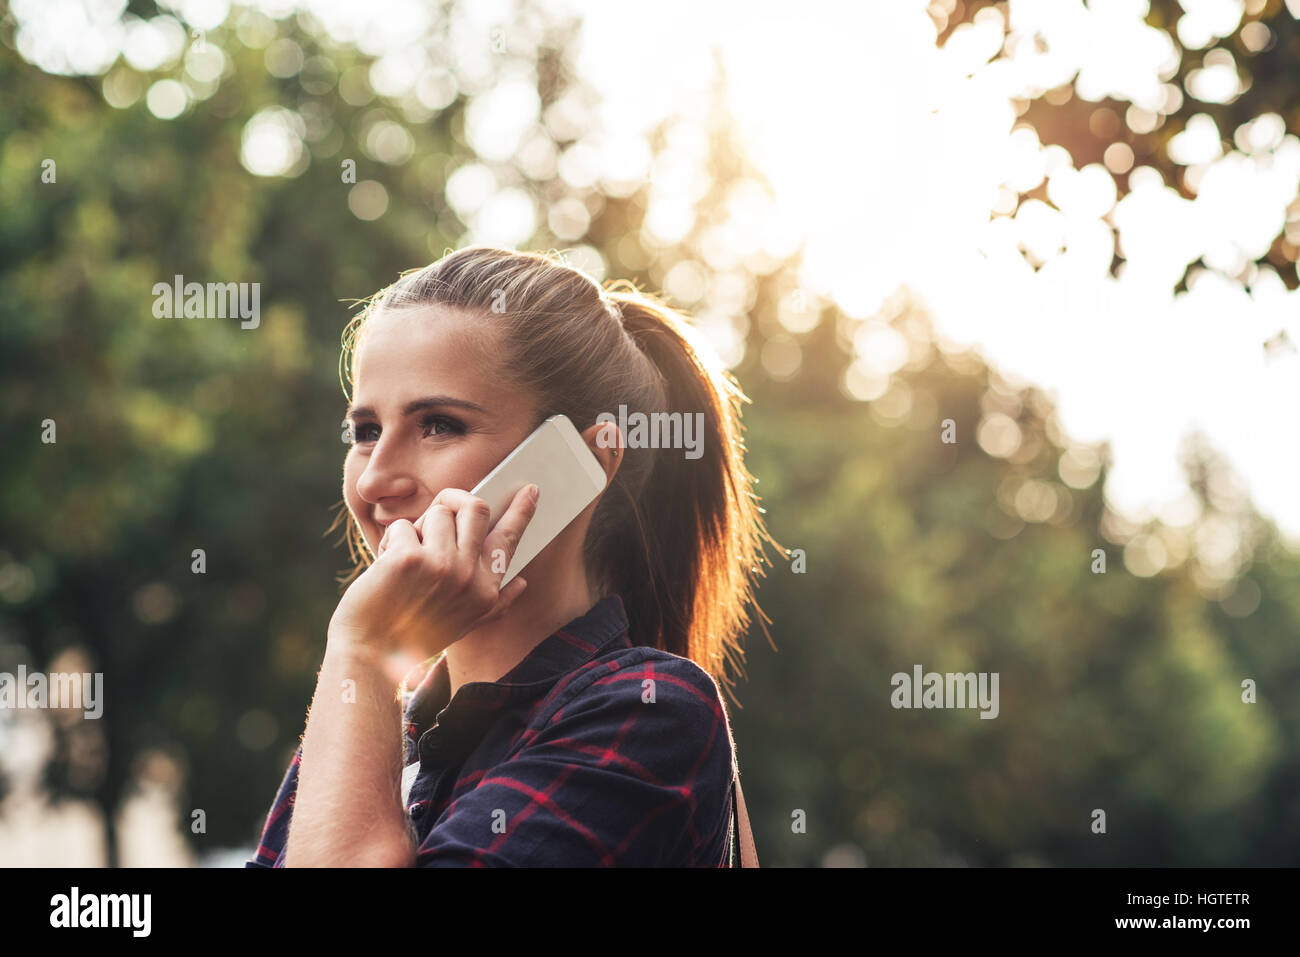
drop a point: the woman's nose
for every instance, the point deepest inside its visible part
(385, 476)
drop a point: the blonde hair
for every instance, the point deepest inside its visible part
(679, 539)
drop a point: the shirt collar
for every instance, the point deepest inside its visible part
(582, 639)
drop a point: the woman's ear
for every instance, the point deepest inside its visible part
(606, 443)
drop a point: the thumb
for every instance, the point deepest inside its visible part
(507, 597)
(511, 593)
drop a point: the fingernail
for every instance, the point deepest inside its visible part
(534, 493)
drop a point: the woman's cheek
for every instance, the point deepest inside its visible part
(353, 500)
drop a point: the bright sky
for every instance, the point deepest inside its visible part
(887, 157)
(889, 193)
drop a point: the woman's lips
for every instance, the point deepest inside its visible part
(385, 522)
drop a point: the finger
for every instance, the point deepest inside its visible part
(472, 515)
(437, 499)
(472, 528)
(449, 497)
(400, 532)
(438, 533)
(510, 529)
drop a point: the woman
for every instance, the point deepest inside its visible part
(573, 718)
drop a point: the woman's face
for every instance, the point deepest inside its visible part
(426, 415)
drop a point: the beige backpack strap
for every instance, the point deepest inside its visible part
(748, 853)
(739, 816)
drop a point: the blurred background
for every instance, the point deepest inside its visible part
(1071, 229)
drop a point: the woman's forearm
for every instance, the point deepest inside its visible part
(348, 809)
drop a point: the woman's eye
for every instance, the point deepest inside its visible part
(452, 427)
(365, 432)
(431, 424)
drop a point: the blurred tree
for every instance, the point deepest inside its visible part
(1261, 47)
(1118, 691)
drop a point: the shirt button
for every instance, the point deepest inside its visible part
(415, 810)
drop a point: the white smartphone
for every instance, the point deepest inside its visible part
(558, 461)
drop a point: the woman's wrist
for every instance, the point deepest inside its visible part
(350, 646)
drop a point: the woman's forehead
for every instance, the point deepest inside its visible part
(421, 337)
(424, 349)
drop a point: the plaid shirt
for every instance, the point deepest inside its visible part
(592, 751)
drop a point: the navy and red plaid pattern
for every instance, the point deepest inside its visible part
(591, 752)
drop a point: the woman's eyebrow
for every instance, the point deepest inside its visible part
(419, 405)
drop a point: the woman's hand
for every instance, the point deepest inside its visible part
(433, 581)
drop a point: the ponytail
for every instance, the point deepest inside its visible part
(688, 581)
